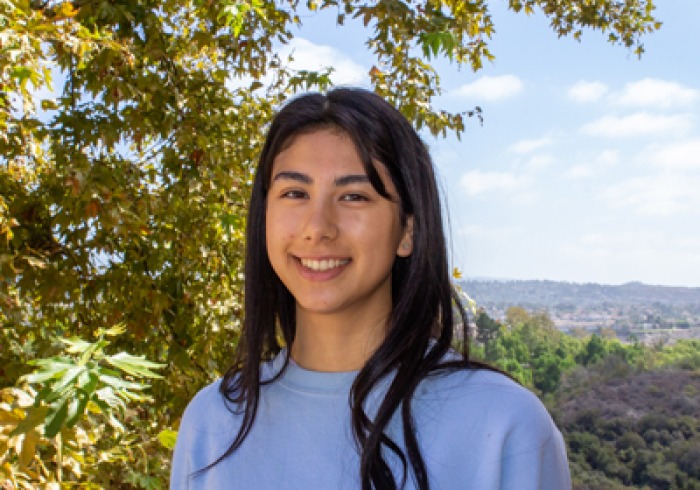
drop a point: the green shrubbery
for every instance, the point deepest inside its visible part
(630, 414)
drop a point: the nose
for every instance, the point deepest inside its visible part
(321, 223)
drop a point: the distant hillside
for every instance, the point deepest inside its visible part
(669, 393)
(637, 430)
(551, 294)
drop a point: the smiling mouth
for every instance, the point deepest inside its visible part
(323, 265)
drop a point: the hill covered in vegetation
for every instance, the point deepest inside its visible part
(630, 413)
(550, 294)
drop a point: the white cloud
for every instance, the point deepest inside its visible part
(538, 162)
(491, 88)
(608, 157)
(528, 146)
(593, 166)
(301, 54)
(638, 124)
(664, 194)
(477, 182)
(657, 93)
(309, 56)
(649, 92)
(683, 155)
(585, 92)
(580, 171)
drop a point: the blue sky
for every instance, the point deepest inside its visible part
(587, 166)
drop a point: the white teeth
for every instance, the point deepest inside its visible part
(323, 265)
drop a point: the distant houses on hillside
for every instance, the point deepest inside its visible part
(632, 311)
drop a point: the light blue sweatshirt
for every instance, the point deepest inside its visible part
(476, 429)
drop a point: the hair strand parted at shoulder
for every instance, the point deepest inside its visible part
(422, 320)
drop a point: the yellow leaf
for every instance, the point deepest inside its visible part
(115, 330)
(167, 438)
(3, 449)
(66, 10)
(8, 418)
(28, 448)
(375, 72)
(456, 273)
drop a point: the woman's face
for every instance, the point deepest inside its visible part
(331, 238)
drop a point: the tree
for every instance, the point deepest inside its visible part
(122, 198)
(487, 329)
(517, 315)
(594, 351)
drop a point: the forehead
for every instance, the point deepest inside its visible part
(319, 150)
(328, 155)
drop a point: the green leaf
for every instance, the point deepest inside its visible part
(107, 396)
(135, 365)
(68, 377)
(76, 346)
(49, 105)
(87, 382)
(21, 72)
(121, 384)
(168, 438)
(76, 409)
(55, 419)
(233, 15)
(53, 368)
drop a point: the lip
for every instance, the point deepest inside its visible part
(326, 275)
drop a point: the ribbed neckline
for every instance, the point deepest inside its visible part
(317, 382)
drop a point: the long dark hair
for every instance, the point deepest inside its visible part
(425, 306)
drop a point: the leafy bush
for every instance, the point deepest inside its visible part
(69, 420)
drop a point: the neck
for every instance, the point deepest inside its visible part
(336, 342)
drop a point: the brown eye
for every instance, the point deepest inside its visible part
(352, 197)
(294, 194)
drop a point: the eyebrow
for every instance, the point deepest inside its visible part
(352, 179)
(296, 176)
(305, 179)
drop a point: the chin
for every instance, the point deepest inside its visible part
(318, 307)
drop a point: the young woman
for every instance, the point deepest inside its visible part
(345, 378)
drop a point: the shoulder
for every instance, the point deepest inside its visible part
(204, 435)
(481, 383)
(208, 411)
(483, 400)
(209, 408)
(506, 437)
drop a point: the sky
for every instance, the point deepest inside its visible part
(587, 165)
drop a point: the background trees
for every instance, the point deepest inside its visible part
(128, 136)
(629, 413)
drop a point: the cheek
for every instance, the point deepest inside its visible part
(383, 233)
(278, 229)
(270, 232)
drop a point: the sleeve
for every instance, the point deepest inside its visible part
(535, 453)
(543, 468)
(196, 446)
(181, 466)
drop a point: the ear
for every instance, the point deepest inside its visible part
(406, 243)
